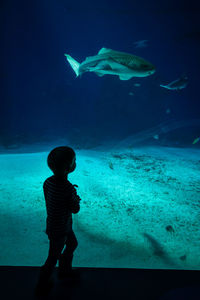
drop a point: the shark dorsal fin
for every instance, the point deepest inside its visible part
(104, 50)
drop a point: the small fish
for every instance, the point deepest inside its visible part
(156, 137)
(168, 111)
(137, 84)
(177, 84)
(196, 140)
(141, 44)
(108, 61)
(131, 94)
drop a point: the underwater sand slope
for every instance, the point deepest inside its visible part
(139, 208)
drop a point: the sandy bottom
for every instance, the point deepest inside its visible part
(140, 208)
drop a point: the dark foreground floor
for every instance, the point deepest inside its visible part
(19, 283)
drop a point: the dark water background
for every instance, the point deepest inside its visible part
(41, 100)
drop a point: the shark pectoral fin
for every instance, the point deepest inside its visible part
(99, 74)
(125, 77)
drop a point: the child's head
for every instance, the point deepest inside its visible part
(62, 160)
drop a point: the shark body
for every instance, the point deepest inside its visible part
(111, 62)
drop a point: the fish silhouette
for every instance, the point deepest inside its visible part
(177, 84)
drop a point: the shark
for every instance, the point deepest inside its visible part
(108, 61)
(177, 84)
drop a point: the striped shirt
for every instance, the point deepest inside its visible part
(61, 201)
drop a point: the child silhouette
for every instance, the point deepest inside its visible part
(61, 201)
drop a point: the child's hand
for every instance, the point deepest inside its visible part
(77, 197)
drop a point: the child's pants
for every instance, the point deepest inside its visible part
(55, 254)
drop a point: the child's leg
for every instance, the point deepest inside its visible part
(65, 260)
(55, 249)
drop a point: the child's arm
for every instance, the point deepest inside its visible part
(74, 205)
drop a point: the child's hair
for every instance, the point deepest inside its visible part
(60, 158)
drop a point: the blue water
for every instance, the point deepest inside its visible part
(43, 103)
(42, 98)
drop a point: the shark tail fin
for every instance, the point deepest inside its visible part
(73, 63)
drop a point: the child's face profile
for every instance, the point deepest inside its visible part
(72, 167)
